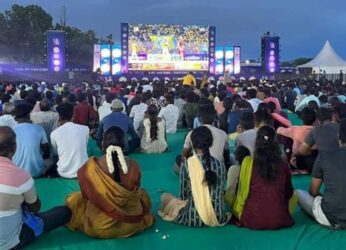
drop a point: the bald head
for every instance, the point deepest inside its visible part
(7, 142)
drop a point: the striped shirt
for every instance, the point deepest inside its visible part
(16, 187)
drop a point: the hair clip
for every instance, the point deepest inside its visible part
(266, 137)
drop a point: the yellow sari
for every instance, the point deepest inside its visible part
(105, 209)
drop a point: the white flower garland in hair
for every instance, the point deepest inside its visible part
(121, 159)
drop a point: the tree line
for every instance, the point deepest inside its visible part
(23, 37)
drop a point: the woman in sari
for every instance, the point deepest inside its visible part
(202, 179)
(265, 197)
(111, 203)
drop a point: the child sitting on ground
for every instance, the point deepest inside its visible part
(233, 173)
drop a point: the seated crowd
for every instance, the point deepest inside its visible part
(45, 130)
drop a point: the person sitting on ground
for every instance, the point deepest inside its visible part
(121, 120)
(69, 142)
(265, 187)
(233, 173)
(223, 117)
(322, 138)
(170, 113)
(190, 109)
(202, 179)
(180, 102)
(45, 117)
(20, 220)
(220, 146)
(153, 136)
(111, 203)
(280, 119)
(138, 111)
(105, 107)
(247, 137)
(329, 208)
(32, 144)
(7, 118)
(240, 106)
(253, 100)
(84, 112)
(298, 133)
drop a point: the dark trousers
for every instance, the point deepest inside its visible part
(52, 219)
(306, 162)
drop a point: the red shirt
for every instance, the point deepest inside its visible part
(267, 204)
(83, 112)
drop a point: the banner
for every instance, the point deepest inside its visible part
(56, 50)
(237, 60)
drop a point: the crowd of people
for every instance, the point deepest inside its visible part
(45, 129)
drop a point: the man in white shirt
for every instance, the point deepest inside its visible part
(254, 101)
(138, 111)
(69, 141)
(170, 113)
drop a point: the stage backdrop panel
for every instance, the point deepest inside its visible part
(56, 43)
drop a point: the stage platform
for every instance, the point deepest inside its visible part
(157, 176)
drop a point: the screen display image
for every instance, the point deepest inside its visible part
(168, 47)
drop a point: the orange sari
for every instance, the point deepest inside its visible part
(105, 209)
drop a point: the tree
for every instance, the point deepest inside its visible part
(80, 45)
(24, 32)
(301, 61)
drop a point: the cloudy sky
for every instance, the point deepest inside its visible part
(304, 25)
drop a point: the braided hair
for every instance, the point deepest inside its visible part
(152, 112)
(114, 136)
(202, 139)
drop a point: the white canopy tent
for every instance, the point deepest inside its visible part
(327, 60)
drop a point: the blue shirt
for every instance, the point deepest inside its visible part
(116, 119)
(29, 138)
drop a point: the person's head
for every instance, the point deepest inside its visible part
(313, 105)
(114, 136)
(7, 142)
(202, 140)
(117, 105)
(65, 111)
(267, 156)
(228, 103)
(340, 111)
(169, 97)
(342, 133)
(240, 153)
(8, 108)
(323, 99)
(263, 117)
(45, 105)
(206, 113)
(308, 116)
(5, 98)
(145, 97)
(152, 113)
(22, 112)
(334, 101)
(325, 114)
(251, 93)
(246, 121)
(82, 97)
(110, 97)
